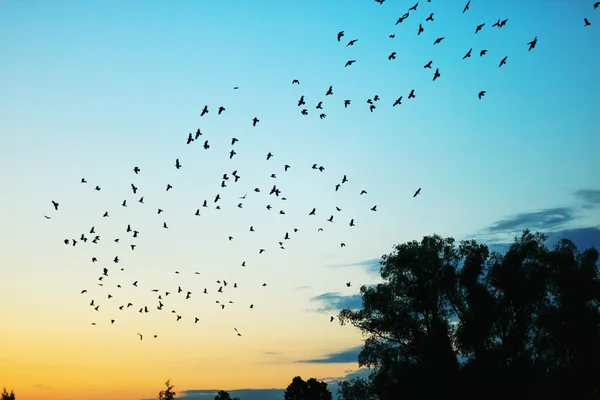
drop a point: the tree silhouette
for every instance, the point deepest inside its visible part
(311, 389)
(525, 324)
(6, 396)
(168, 394)
(223, 395)
(356, 389)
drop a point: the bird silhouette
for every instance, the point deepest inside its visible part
(532, 44)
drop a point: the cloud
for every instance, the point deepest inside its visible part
(335, 301)
(589, 197)
(341, 357)
(538, 220)
(372, 265)
(270, 353)
(302, 287)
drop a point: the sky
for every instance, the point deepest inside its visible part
(93, 89)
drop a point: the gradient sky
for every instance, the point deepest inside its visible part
(93, 88)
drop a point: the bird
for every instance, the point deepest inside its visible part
(55, 204)
(482, 53)
(136, 170)
(430, 18)
(329, 91)
(532, 43)
(479, 27)
(392, 56)
(296, 81)
(467, 6)
(204, 111)
(141, 337)
(411, 95)
(481, 94)
(340, 35)
(255, 121)
(436, 74)
(503, 61)
(428, 65)
(351, 43)
(402, 18)
(438, 40)
(417, 192)
(421, 30)
(414, 8)
(350, 62)
(596, 5)
(586, 22)
(468, 54)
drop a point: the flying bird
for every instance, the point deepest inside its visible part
(481, 94)
(532, 43)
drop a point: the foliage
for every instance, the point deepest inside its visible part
(168, 394)
(525, 324)
(356, 389)
(223, 395)
(6, 396)
(311, 389)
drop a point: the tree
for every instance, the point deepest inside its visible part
(6, 396)
(356, 389)
(524, 324)
(168, 394)
(223, 395)
(311, 389)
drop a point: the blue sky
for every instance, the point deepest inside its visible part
(93, 89)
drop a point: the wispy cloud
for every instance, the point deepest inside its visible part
(271, 353)
(245, 394)
(333, 301)
(589, 197)
(548, 219)
(371, 265)
(345, 356)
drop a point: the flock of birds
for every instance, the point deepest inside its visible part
(230, 178)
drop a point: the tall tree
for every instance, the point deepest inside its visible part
(311, 389)
(168, 394)
(407, 318)
(524, 324)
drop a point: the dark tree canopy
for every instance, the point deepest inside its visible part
(525, 324)
(168, 394)
(7, 396)
(223, 395)
(311, 389)
(356, 389)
